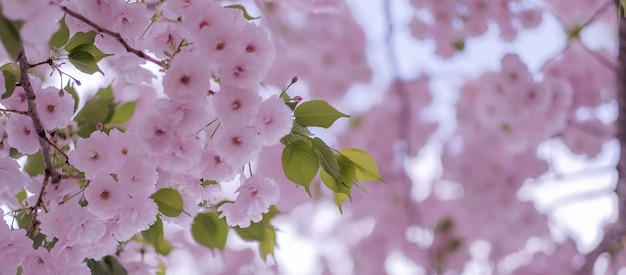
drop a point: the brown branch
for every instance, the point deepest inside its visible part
(35, 208)
(14, 111)
(50, 172)
(113, 34)
(32, 113)
(614, 234)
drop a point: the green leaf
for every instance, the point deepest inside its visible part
(21, 196)
(262, 232)
(344, 183)
(165, 247)
(256, 230)
(84, 62)
(209, 230)
(154, 234)
(297, 133)
(34, 165)
(80, 38)
(326, 158)
(169, 201)
(317, 113)
(300, 163)
(339, 199)
(11, 73)
(70, 89)
(266, 247)
(10, 37)
(93, 50)
(60, 37)
(366, 168)
(123, 113)
(100, 108)
(107, 266)
(243, 9)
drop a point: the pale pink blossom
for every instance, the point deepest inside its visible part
(235, 105)
(255, 197)
(238, 145)
(22, 134)
(214, 166)
(105, 196)
(93, 155)
(188, 77)
(273, 121)
(55, 108)
(138, 177)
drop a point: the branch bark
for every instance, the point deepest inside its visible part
(115, 35)
(614, 234)
(51, 174)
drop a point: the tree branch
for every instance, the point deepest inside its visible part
(612, 240)
(115, 35)
(50, 172)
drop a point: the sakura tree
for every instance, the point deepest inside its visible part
(213, 123)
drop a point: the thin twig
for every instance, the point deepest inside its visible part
(113, 34)
(50, 172)
(14, 111)
(612, 240)
(611, 66)
(34, 115)
(33, 220)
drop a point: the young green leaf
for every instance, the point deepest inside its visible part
(344, 183)
(93, 50)
(339, 198)
(60, 37)
(297, 133)
(154, 234)
(70, 89)
(107, 266)
(84, 62)
(100, 108)
(209, 230)
(266, 247)
(243, 9)
(317, 113)
(326, 158)
(80, 38)
(123, 113)
(262, 232)
(11, 74)
(366, 168)
(10, 37)
(34, 165)
(169, 201)
(300, 163)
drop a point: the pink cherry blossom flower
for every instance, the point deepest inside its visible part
(92, 155)
(72, 224)
(12, 180)
(238, 145)
(235, 105)
(105, 196)
(22, 134)
(139, 178)
(17, 101)
(55, 109)
(14, 246)
(188, 77)
(255, 197)
(215, 166)
(136, 214)
(273, 120)
(39, 261)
